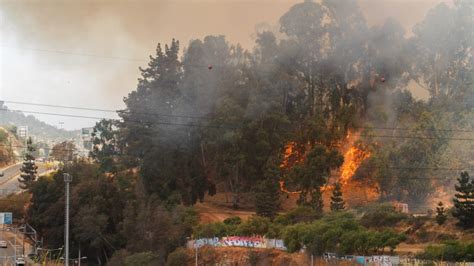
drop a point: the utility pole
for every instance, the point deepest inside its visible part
(67, 180)
(79, 256)
(196, 253)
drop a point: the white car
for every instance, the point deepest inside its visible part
(20, 261)
(3, 244)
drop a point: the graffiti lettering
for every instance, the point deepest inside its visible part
(238, 241)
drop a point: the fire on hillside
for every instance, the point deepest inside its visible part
(354, 156)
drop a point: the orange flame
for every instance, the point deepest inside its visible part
(353, 158)
(285, 190)
(288, 161)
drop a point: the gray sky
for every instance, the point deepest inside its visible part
(87, 53)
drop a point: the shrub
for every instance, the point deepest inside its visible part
(256, 225)
(382, 215)
(449, 251)
(298, 215)
(119, 257)
(235, 220)
(338, 232)
(213, 230)
(178, 257)
(142, 259)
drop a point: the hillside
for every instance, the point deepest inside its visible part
(37, 128)
(246, 256)
(7, 142)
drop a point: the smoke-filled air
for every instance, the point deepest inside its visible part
(311, 136)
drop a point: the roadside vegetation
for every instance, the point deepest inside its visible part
(450, 251)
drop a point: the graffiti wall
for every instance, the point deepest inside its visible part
(238, 241)
(378, 260)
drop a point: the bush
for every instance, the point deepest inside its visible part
(298, 215)
(235, 220)
(382, 215)
(256, 225)
(142, 259)
(118, 258)
(178, 257)
(453, 251)
(213, 230)
(338, 232)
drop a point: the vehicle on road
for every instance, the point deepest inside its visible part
(20, 261)
(2, 174)
(3, 244)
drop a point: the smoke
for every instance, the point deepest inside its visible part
(44, 43)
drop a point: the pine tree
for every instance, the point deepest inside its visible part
(440, 213)
(464, 201)
(316, 202)
(29, 168)
(337, 202)
(267, 198)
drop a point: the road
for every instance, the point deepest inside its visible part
(7, 255)
(9, 182)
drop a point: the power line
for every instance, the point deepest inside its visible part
(219, 126)
(44, 148)
(201, 117)
(105, 110)
(360, 167)
(78, 54)
(120, 58)
(100, 118)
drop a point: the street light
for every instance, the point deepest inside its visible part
(196, 249)
(67, 180)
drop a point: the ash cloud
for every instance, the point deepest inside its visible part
(125, 29)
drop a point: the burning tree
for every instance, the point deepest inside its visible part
(440, 213)
(313, 173)
(337, 202)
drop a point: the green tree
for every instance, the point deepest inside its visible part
(337, 201)
(64, 151)
(168, 155)
(313, 174)
(444, 43)
(267, 198)
(149, 226)
(28, 169)
(105, 148)
(440, 213)
(464, 201)
(97, 207)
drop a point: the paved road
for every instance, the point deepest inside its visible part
(9, 182)
(7, 254)
(10, 171)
